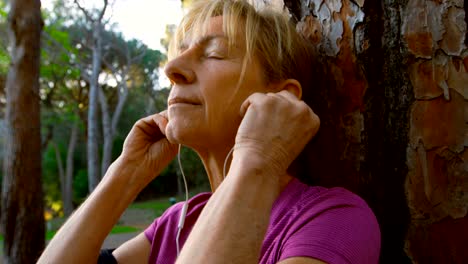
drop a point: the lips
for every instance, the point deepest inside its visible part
(179, 100)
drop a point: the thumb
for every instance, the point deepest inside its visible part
(245, 105)
(161, 121)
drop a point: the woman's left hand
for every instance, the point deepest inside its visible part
(275, 128)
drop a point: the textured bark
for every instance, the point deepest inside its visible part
(22, 196)
(394, 126)
(437, 156)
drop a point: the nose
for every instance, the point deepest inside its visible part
(179, 71)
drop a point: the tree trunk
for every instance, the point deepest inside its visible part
(68, 186)
(92, 148)
(394, 127)
(60, 169)
(22, 196)
(110, 128)
(107, 133)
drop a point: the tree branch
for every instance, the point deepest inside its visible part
(87, 15)
(103, 10)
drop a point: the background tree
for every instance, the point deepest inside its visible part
(126, 64)
(63, 96)
(4, 63)
(22, 206)
(65, 83)
(92, 141)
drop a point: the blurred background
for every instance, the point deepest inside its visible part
(133, 38)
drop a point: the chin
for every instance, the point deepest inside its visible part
(189, 135)
(181, 132)
(172, 134)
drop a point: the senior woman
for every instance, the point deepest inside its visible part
(238, 76)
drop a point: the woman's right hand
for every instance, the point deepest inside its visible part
(146, 147)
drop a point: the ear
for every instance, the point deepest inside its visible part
(292, 86)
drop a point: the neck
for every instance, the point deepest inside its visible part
(214, 165)
(213, 162)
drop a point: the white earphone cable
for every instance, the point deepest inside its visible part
(185, 206)
(225, 162)
(183, 213)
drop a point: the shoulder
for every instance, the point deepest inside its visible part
(171, 216)
(327, 198)
(162, 232)
(333, 225)
(195, 203)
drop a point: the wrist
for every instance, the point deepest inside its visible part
(131, 172)
(272, 161)
(252, 169)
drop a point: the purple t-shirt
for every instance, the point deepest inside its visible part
(332, 225)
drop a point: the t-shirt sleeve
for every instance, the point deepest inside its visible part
(165, 217)
(344, 230)
(150, 230)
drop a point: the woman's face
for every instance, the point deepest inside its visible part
(204, 103)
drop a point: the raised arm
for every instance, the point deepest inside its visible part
(145, 153)
(231, 228)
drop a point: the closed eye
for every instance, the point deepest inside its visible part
(215, 56)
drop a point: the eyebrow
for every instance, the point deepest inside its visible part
(203, 41)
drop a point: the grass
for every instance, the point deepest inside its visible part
(157, 206)
(115, 230)
(118, 229)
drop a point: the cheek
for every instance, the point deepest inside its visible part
(223, 120)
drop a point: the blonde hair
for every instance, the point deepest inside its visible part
(269, 36)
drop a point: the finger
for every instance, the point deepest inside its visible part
(251, 99)
(148, 126)
(245, 105)
(161, 121)
(164, 114)
(288, 95)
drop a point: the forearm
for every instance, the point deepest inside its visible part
(232, 225)
(80, 238)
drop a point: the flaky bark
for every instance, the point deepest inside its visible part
(394, 127)
(22, 196)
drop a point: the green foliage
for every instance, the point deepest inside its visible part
(3, 12)
(4, 61)
(193, 168)
(80, 185)
(65, 58)
(50, 176)
(4, 56)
